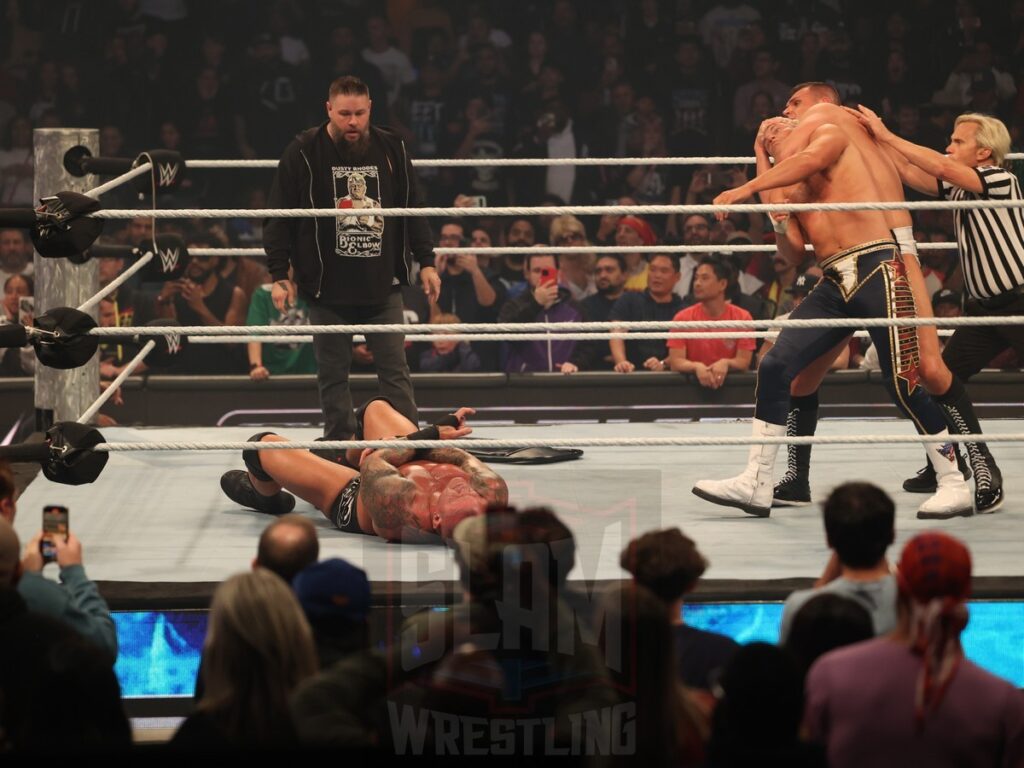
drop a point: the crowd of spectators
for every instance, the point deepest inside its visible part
(869, 669)
(483, 80)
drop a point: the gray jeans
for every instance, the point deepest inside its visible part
(334, 360)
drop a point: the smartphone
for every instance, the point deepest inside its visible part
(548, 276)
(55, 523)
(26, 307)
(477, 201)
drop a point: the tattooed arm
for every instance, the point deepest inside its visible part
(482, 478)
(387, 496)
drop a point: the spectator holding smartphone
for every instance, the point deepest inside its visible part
(544, 301)
(59, 690)
(16, 289)
(75, 600)
(203, 297)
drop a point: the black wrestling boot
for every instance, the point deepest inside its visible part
(794, 489)
(924, 480)
(958, 409)
(988, 489)
(237, 487)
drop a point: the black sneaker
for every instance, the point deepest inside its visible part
(988, 489)
(924, 480)
(792, 491)
(237, 487)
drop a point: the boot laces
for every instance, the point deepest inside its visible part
(982, 473)
(792, 470)
(982, 478)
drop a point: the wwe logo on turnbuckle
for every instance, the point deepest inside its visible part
(53, 208)
(168, 173)
(169, 259)
(173, 341)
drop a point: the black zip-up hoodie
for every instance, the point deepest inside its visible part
(303, 180)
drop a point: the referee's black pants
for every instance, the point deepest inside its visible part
(971, 348)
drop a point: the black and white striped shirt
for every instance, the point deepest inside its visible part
(991, 240)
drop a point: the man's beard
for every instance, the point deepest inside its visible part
(353, 152)
(511, 272)
(200, 277)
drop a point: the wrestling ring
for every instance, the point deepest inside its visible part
(158, 530)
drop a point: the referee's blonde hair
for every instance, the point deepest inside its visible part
(991, 134)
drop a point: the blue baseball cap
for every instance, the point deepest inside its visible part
(333, 589)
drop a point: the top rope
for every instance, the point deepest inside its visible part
(560, 210)
(521, 162)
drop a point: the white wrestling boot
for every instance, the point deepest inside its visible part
(752, 489)
(953, 497)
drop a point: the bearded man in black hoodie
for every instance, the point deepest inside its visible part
(350, 269)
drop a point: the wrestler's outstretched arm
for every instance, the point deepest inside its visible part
(933, 163)
(484, 480)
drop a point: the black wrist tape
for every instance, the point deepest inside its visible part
(451, 420)
(427, 433)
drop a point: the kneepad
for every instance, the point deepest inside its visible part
(252, 458)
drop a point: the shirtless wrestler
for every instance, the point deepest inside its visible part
(811, 105)
(863, 277)
(398, 494)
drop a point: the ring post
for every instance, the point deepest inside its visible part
(62, 395)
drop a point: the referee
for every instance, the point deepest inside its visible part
(991, 244)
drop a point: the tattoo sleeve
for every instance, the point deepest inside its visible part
(482, 478)
(396, 457)
(387, 496)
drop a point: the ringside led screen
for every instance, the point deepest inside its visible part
(160, 650)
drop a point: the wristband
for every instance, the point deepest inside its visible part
(427, 433)
(254, 366)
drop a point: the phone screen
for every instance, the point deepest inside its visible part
(26, 307)
(55, 523)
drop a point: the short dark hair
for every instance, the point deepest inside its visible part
(527, 219)
(859, 523)
(666, 562)
(21, 276)
(721, 268)
(539, 252)
(820, 90)
(7, 486)
(673, 257)
(348, 85)
(287, 558)
(540, 525)
(826, 622)
(618, 257)
(508, 543)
